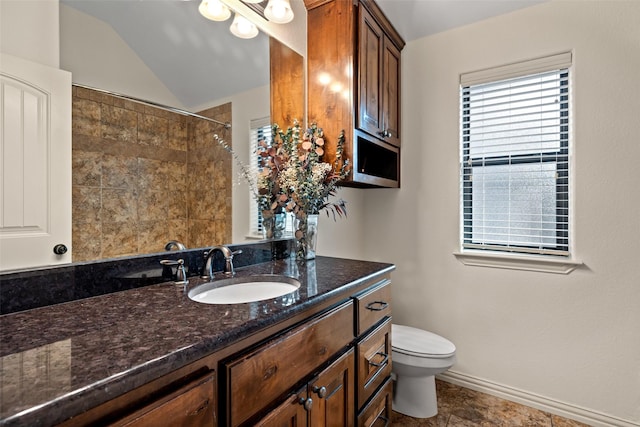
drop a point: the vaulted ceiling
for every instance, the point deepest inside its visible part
(199, 60)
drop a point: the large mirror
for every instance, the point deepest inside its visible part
(142, 175)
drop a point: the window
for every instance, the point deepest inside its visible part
(260, 130)
(515, 135)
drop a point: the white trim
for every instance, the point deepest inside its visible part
(540, 263)
(518, 69)
(563, 409)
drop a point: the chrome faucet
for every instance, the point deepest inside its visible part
(174, 244)
(228, 261)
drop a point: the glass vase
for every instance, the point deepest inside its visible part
(306, 237)
(273, 225)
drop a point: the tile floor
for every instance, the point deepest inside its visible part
(462, 407)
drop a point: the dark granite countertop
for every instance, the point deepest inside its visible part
(61, 360)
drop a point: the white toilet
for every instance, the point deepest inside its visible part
(417, 356)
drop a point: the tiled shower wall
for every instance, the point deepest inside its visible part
(143, 176)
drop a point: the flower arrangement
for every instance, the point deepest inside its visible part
(293, 176)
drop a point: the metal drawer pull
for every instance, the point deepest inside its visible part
(381, 305)
(385, 359)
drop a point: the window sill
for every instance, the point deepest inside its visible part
(543, 264)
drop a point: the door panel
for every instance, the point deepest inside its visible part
(35, 168)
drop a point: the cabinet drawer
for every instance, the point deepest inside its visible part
(258, 378)
(190, 406)
(377, 413)
(372, 305)
(374, 361)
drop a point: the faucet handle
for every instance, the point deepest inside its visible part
(181, 271)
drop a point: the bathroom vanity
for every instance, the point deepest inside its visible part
(152, 356)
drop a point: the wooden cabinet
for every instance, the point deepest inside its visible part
(353, 57)
(373, 353)
(379, 77)
(377, 412)
(332, 369)
(190, 406)
(257, 379)
(325, 401)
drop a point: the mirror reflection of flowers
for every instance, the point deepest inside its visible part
(293, 175)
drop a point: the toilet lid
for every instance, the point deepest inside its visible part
(417, 342)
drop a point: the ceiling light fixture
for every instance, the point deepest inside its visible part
(243, 28)
(214, 10)
(279, 11)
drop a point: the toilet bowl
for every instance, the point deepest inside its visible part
(417, 356)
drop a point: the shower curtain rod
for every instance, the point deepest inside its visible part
(226, 125)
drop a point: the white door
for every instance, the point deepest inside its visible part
(35, 164)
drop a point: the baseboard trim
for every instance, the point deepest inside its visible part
(592, 418)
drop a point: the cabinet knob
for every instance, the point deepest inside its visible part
(320, 391)
(59, 249)
(307, 403)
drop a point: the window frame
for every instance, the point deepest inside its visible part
(557, 258)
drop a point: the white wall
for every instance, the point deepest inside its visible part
(566, 341)
(98, 57)
(29, 30)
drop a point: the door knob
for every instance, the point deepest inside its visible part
(59, 249)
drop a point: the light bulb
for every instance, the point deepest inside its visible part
(279, 11)
(243, 28)
(214, 10)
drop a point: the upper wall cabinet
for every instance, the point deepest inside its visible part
(353, 59)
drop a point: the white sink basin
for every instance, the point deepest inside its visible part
(239, 290)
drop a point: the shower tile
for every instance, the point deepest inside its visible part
(119, 124)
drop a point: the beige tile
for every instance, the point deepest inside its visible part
(153, 236)
(86, 168)
(177, 176)
(119, 124)
(119, 205)
(86, 205)
(153, 175)
(401, 420)
(177, 205)
(119, 239)
(152, 130)
(152, 205)
(119, 172)
(178, 134)
(86, 241)
(177, 230)
(86, 116)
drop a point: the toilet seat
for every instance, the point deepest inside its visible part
(419, 343)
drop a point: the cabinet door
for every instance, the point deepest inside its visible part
(332, 393)
(377, 413)
(190, 406)
(391, 93)
(370, 93)
(291, 413)
(374, 361)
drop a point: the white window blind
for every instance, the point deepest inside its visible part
(515, 157)
(260, 130)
